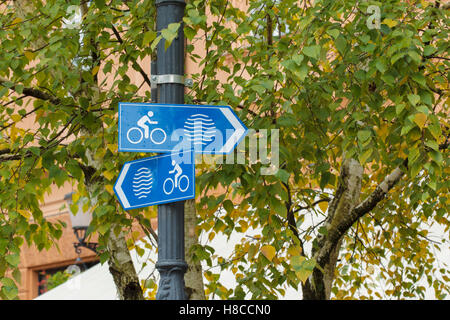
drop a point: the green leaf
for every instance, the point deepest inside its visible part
(8, 282)
(326, 178)
(437, 157)
(17, 275)
(170, 33)
(303, 72)
(298, 58)
(104, 257)
(364, 135)
(420, 79)
(415, 56)
(334, 33)
(100, 3)
(406, 129)
(283, 175)
(363, 157)
(429, 50)
(189, 32)
(149, 36)
(396, 57)
(413, 155)
(399, 108)
(278, 206)
(11, 292)
(435, 130)
(228, 206)
(13, 259)
(312, 51)
(303, 267)
(381, 65)
(155, 42)
(413, 98)
(341, 44)
(432, 144)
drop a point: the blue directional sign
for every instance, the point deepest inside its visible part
(156, 180)
(151, 127)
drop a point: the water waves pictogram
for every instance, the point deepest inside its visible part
(142, 182)
(199, 129)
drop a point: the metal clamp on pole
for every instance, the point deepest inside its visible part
(169, 78)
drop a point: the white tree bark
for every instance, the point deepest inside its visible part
(194, 276)
(344, 210)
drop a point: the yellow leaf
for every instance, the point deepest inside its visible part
(323, 206)
(110, 189)
(108, 175)
(16, 117)
(135, 235)
(268, 251)
(370, 270)
(16, 21)
(420, 119)
(294, 251)
(29, 55)
(13, 134)
(382, 132)
(75, 197)
(24, 213)
(303, 275)
(403, 81)
(424, 3)
(112, 147)
(403, 148)
(38, 164)
(95, 70)
(86, 206)
(389, 22)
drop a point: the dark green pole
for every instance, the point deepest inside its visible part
(171, 262)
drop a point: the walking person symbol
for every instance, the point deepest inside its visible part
(180, 181)
(136, 134)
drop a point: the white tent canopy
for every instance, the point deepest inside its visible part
(93, 284)
(97, 282)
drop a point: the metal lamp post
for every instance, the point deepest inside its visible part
(80, 223)
(171, 263)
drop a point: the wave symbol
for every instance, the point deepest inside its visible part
(142, 183)
(199, 129)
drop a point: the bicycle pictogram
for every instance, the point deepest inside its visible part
(136, 134)
(180, 181)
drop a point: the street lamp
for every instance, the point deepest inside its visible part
(80, 223)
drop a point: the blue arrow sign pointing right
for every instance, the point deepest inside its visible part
(151, 127)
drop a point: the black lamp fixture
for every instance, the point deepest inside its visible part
(80, 223)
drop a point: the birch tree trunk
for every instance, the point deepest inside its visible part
(194, 275)
(122, 268)
(344, 210)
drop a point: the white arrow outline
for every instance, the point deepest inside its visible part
(118, 186)
(233, 141)
(239, 131)
(123, 173)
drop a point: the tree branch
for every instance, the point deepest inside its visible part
(142, 72)
(31, 92)
(312, 204)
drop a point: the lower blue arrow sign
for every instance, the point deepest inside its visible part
(156, 180)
